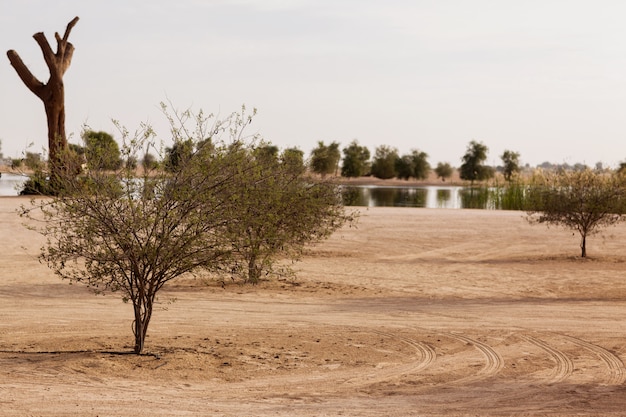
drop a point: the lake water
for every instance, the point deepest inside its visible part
(450, 197)
(11, 184)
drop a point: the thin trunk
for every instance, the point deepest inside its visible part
(253, 271)
(138, 329)
(143, 313)
(583, 246)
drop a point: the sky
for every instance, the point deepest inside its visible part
(545, 78)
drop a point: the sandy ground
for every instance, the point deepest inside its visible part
(416, 312)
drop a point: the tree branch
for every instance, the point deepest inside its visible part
(69, 28)
(33, 84)
(48, 54)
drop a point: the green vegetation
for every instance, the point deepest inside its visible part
(101, 151)
(355, 160)
(473, 168)
(414, 165)
(179, 154)
(325, 158)
(384, 163)
(510, 160)
(444, 170)
(585, 201)
(278, 211)
(149, 161)
(223, 207)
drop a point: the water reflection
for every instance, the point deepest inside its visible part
(385, 196)
(453, 197)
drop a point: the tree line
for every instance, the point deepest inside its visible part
(387, 163)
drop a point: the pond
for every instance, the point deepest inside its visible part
(450, 197)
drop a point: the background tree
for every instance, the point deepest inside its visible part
(421, 167)
(101, 150)
(267, 152)
(404, 167)
(443, 170)
(116, 232)
(472, 168)
(413, 165)
(510, 160)
(293, 158)
(584, 201)
(178, 154)
(325, 159)
(384, 162)
(33, 161)
(52, 94)
(149, 161)
(355, 161)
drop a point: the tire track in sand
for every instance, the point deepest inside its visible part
(493, 361)
(564, 365)
(617, 372)
(426, 356)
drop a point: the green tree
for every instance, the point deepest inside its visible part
(178, 154)
(77, 149)
(413, 165)
(421, 167)
(384, 162)
(443, 170)
(33, 161)
(267, 152)
(293, 158)
(115, 231)
(584, 201)
(404, 167)
(472, 168)
(149, 161)
(510, 160)
(355, 161)
(280, 211)
(325, 158)
(101, 151)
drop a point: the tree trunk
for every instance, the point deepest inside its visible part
(254, 272)
(143, 313)
(51, 94)
(583, 246)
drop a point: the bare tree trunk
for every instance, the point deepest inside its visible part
(52, 94)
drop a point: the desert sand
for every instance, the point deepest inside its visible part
(415, 312)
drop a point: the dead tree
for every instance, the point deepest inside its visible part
(52, 93)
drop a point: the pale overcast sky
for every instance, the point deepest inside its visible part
(545, 78)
